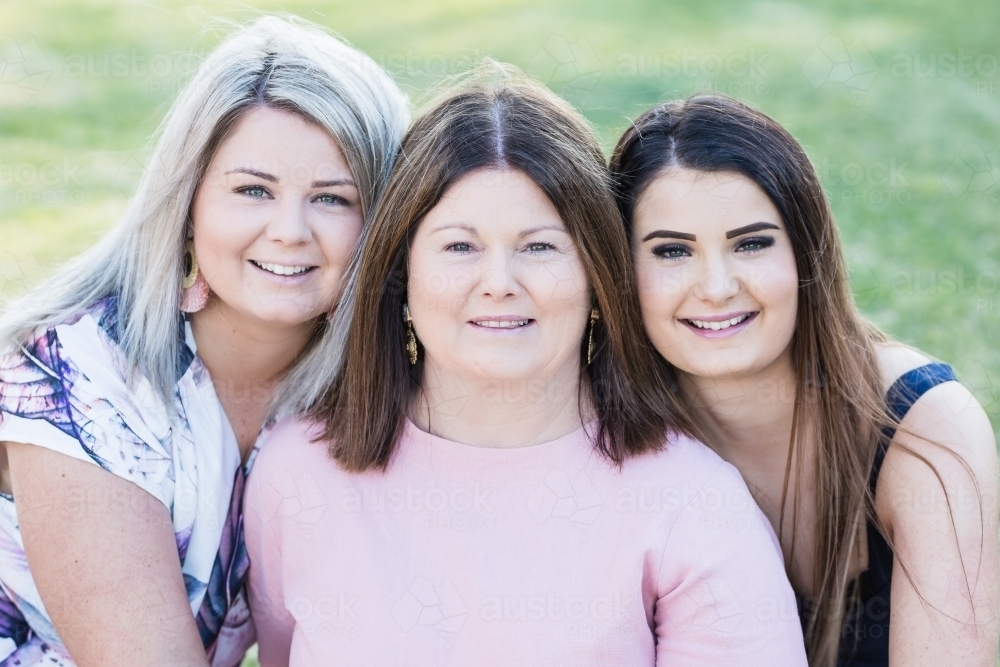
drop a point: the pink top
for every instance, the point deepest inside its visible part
(543, 555)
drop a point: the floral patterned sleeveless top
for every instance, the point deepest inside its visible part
(67, 391)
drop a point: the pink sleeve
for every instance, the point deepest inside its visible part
(724, 598)
(273, 621)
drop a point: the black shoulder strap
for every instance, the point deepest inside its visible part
(901, 396)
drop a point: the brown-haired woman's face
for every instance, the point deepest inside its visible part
(497, 290)
(716, 273)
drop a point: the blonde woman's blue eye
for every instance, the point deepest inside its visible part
(255, 191)
(330, 199)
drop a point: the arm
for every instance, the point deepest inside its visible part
(725, 599)
(104, 559)
(275, 625)
(947, 614)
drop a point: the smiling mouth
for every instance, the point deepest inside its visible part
(719, 326)
(502, 324)
(282, 269)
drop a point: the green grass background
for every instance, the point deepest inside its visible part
(897, 104)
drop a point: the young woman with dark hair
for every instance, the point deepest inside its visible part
(876, 468)
(497, 475)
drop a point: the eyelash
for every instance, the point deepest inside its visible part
(468, 246)
(762, 243)
(664, 250)
(750, 246)
(247, 189)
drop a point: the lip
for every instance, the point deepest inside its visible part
(284, 279)
(720, 333)
(501, 324)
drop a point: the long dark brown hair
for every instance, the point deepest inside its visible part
(838, 398)
(496, 119)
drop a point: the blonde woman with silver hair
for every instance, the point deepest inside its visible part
(135, 383)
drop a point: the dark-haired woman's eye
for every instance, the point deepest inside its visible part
(755, 244)
(671, 251)
(461, 246)
(254, 192)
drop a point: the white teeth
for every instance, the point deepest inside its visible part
(281, 269)
(718, 326)
(505, 324)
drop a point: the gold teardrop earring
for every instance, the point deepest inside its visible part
(194, 287)
(411, 338)
(594, 316)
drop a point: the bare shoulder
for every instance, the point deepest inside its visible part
(945, 440)
(894, 360)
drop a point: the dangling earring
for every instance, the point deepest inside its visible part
(411, 338)
(195, 287)
(594, 316)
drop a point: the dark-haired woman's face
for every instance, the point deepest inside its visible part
(716, 273)
(497, 290)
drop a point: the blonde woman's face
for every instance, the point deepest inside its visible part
(275, 219)
(497, 290)
(718, 284)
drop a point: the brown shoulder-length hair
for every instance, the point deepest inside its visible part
(838, 398)
(495, 119)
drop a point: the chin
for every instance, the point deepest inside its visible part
(288, 315)
(506, 370)
(726, 368)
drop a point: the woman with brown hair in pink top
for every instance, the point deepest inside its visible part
(497, 476)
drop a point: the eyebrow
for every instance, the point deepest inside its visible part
(274, 179)
(529, 232)
(667, 234)
(468, 228)
(253, 172)
(334, 183)
(755, 227)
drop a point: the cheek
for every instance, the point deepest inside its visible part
(661, 290)
(337, 240)
(437, 287)
(776, 287)
(221, 236)
(557, 283)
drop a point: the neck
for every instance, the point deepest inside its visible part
(502, 413)
(749, 417)
(243, 354)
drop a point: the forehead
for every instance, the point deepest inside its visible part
(280, 136)
(492, 197)
(688, 200)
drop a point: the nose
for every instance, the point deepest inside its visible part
(289, 225)
(498, 278)
(717, 281)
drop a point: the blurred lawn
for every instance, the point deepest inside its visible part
(898, 106)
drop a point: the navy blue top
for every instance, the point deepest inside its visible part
(864, 641)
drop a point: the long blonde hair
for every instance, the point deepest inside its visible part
(280, 62)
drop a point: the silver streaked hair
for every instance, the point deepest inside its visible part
(284, 63)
